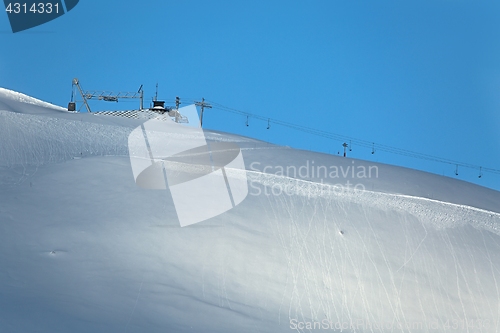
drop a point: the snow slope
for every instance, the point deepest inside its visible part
(18, 102)
(83, 249)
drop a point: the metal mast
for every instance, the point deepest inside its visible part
(177, 103)
(107, 96)
(76, 83)
(141, 91)
(345, 145)
(202, 105)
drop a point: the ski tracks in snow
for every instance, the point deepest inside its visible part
(412, 263)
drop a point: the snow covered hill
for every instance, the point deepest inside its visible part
(18, 102)
(321, 243)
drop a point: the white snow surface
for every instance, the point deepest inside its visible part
(19, 102)
(83, 249)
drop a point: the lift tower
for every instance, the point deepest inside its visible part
(204, 105)
(102, 95)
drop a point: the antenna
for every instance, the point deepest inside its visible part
(141, 91)
(156, 95)
(373, 147)
(345, 145)
(456, 171)
(350, 146)
(246, 122)
(268, 123)
(177, 103)
(480, 172)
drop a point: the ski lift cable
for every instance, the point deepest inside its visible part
(358, 142)
(354, 141)
(338, 137)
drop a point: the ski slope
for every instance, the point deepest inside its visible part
(83, 249)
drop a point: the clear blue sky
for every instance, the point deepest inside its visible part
(418, 75)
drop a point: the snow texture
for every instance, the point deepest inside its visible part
(13, 101)
(83, 249)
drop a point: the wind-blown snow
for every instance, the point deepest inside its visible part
(9, 98)
(83, 249)
(38, 140)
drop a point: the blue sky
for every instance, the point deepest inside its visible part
(418, 75)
